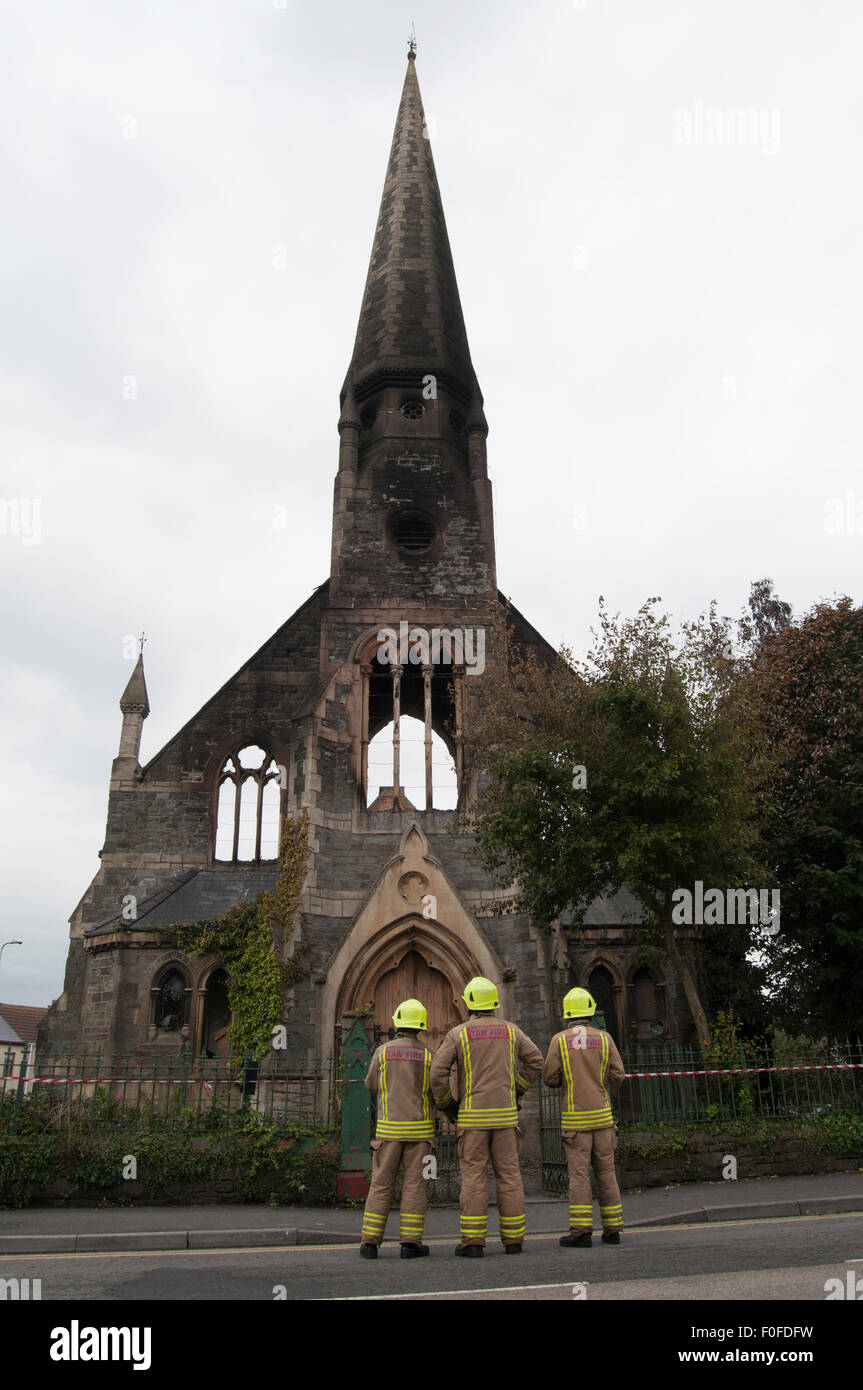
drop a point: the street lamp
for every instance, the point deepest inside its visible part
(9, 943)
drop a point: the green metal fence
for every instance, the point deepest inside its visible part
(107, 1093)
(674, 1083)
(670, 1083)
(446, 1186)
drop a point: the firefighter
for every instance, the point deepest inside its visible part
(496, 1064)
(399, 1078)
(583, 1060)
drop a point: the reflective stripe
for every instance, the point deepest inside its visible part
(567, 1072)
(586, 1119)
(489, 1119)
(511, 1032)
(373, 1227)
(405, 1129)
(465, 1050)
(612, 1216)
(427, 1115)
(512, 1225)
(382, 1073)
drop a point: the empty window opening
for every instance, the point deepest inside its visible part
(248, 807)
(412, 755)
(412, 770)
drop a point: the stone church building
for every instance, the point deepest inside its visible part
(375, 746)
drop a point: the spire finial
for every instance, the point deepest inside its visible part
(412, 44)
(141, 640)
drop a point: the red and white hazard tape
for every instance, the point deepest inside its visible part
(140, 1080)
(748, 1071)
(222, 1081)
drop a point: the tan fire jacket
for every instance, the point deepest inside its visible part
(582, 1059)
(399, 1075)
(496, 1062)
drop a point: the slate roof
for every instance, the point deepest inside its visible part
(198, 895)
(7, 1032)
(613, 911)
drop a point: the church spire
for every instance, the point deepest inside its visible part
(411, 323)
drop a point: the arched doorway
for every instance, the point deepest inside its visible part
(215, 1040)
(414, 978)
(601, 987)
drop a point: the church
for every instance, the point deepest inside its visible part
(359, 712)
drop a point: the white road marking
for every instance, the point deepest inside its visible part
(450, 1293)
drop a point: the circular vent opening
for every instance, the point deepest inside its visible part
(413, 410)
(413, 532)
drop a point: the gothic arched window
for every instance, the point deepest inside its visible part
(412, 719)
(169, 996)
(247, 807)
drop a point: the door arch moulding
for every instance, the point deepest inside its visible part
(391, 921)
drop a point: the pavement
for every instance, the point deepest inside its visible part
(58, 1230)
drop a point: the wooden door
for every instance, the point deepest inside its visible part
(414, 978)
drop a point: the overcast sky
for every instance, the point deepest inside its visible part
(662, 298)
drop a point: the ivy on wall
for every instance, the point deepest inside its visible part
(247, 940)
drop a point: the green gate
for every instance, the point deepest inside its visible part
(555, 1175)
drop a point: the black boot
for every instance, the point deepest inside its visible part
(514, 1249)
(611, 1237)
(582, 1242)
(413, 1252)
(369, 1250)
(470, 1252)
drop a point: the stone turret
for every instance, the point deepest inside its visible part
(135, 706)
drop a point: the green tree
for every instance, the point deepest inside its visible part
(802, 700)
(663, 798)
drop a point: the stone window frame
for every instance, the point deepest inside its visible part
(415, 559)
(364, 654)
(262, 777)
(171, 967)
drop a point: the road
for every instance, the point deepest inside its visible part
(787, 1258)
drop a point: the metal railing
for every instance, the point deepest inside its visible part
(103, 1092)
(672, 1084)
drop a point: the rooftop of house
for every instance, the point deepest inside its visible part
(22, 1020)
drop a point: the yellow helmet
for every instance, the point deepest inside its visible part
(480, 993)
(411, 1014)
(579, 1004)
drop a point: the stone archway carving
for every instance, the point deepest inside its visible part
(413, 906)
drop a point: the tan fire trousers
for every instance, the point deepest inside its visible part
(584, 1147)
(387, 1154)
(475, 1147)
